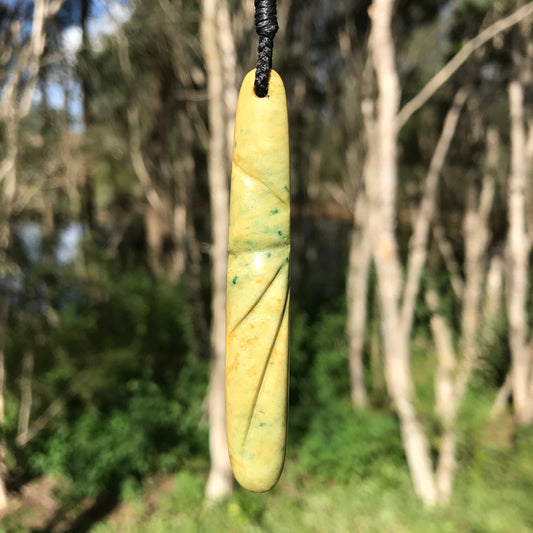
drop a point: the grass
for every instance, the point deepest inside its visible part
(493, 491)
(493, 495)
(347, 472)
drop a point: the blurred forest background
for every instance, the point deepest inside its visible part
(411, 392)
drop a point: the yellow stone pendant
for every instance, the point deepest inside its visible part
(257, 306)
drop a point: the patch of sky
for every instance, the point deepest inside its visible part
(64, 89)
(31, 238)
(69, 243)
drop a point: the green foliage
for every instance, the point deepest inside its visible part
(493, 495)
(497, 486)
(117, 349)
(319, 367)
(100, 450)
(138, 407)
(334, 442)
(343, 445)
(495, 353)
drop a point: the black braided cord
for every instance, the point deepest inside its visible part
(266, 26)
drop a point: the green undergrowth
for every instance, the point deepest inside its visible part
(492, 495)
(145, 442)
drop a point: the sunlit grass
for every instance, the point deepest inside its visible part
(493, 495)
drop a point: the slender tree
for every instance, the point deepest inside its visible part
(220, 480)
(518, 250)
(15, 105)
(397, 298)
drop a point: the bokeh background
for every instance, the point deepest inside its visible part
(411, 390)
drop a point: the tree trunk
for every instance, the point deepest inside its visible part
(397, 312)
(193, 254)
(453, 375)
(356, 298)
(518, 248)
(492, 305)
(446, 402)
(382, 219)
(476, 237)
(491, 311)
(228, 54)
(379, 387)
(4, 312)
(8, 186)
(220, 481)
(25, 397)
(418, 244)
(87, 192)
(500, 402)
(21, 78)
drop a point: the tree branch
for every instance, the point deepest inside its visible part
(134, 128)
(446, 252)
(418, 243)
(502, 397)
(50, 412)
(439, 79)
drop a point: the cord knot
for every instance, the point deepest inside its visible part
(266, 26)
